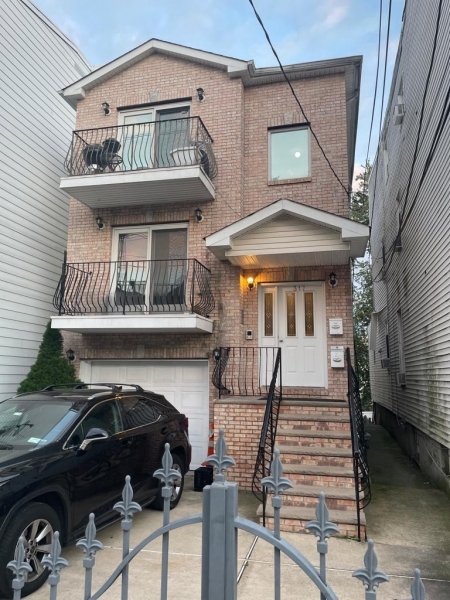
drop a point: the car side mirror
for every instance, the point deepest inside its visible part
(94, 435)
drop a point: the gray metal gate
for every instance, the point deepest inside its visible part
(220, 526)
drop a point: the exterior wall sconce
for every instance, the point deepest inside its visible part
(99, 222)
(198, 215)
(106, 108)
(200, 94)
(70, 355)
(216, 353)
(250, 283)
(333, 281)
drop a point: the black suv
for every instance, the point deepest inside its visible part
(65, 453)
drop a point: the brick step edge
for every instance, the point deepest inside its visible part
(313, 491)
(317, 470)
(305, 402)
(313, 433)
(313, 450)
(319, 418)
(303, 513)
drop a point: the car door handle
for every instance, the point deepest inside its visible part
(127, 442)
(164, 430)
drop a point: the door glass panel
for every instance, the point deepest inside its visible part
(309, 314)
(268, 314)
(137, 141)
(174, 146)
(132, 269)
(169, 251)
(291, 324)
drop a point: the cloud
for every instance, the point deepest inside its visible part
(336, 11)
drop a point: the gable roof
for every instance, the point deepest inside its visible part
(244, 69)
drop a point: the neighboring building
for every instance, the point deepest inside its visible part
(410, 240)
(192, 172)
(36, 60)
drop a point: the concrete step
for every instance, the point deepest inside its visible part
(322, 476)
(291, 453)
(294, 518)
(314, 438)
(314, 422)
(337, 498)
(307, 407)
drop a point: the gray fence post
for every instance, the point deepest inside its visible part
(219, 535)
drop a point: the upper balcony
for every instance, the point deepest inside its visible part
(142, 163)
(149, 296)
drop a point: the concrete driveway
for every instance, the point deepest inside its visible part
(409, 520)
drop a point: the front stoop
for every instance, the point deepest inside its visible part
(315, 444)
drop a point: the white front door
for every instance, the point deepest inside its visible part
(292, 317)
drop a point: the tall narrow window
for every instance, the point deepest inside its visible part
(401, 347)
(291, 325)
(268, 314)
(309, 314)
(289, 153)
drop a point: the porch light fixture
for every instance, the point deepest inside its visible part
(99, 222)
(200, 94)
(216, 353)
(333, 280)
(106, 108)
(198, 215)
(70, 355)
(250, 283)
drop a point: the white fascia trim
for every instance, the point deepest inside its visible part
(222, 240)
(76, 90)
(131, 322)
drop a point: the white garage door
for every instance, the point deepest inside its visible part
(184, 383)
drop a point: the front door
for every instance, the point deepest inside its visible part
(292, 317)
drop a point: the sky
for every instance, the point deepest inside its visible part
(300, 30)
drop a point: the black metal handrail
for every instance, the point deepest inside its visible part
(153, 145)
(363, 490)
(268, 435)
(138, 286)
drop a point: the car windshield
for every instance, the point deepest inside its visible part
(33, 423)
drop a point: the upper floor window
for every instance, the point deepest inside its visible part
(289, 153)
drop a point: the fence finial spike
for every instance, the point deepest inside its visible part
(417, 587)
(321, 527)
(370, 576)
(89, 544)
(126, 507)
(167, 475)
(54, 561)
(220, 460)
(19, 566)
(276, 482)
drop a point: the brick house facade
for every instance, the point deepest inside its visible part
(241, 108)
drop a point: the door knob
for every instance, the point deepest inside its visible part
(281, 341)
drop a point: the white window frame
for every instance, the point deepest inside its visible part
(142, 228)
(269, 146)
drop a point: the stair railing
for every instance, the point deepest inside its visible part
(268, 434)
(363, 490)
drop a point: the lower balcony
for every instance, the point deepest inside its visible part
(152, 296)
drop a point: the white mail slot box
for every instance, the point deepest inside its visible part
(337, 357)
(336, 327)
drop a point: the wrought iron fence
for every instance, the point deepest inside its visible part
(244, 371)
(359, 443)
(268, 435)
(138, 286)
(152, 145)
(220, 526)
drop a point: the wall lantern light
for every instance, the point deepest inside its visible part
(333, 280)
(106, 108)
(99, 222)
(198, 215)
(70, 355)
(216, 353)
(250, 283)
(200, 94)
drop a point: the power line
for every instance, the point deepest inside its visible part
(386, 54)
(346, 190)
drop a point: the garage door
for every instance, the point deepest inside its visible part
(184, 383)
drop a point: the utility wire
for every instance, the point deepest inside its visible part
(346, 190)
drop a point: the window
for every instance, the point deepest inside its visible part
(138, 412)
(151, 265)
(289, 153)
(268, 314)
(103, 416)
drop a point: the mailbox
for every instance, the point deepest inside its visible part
(337, 357)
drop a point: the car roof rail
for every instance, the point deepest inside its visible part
(117, 387)
(59, 386)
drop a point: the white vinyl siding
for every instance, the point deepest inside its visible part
(417, 279)
(36, 60)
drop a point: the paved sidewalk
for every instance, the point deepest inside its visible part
(409, 520)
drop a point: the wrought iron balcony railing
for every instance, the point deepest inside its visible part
(153, 145)
(139, 286)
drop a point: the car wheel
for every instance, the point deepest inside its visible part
(37, 523)
(177, 489)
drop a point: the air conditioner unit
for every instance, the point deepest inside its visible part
(385, 363)
(401, 379)
(399, 113)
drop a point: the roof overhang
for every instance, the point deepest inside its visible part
(350, 243)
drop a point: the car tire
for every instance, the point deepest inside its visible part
(34, 520)
(178, 487)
